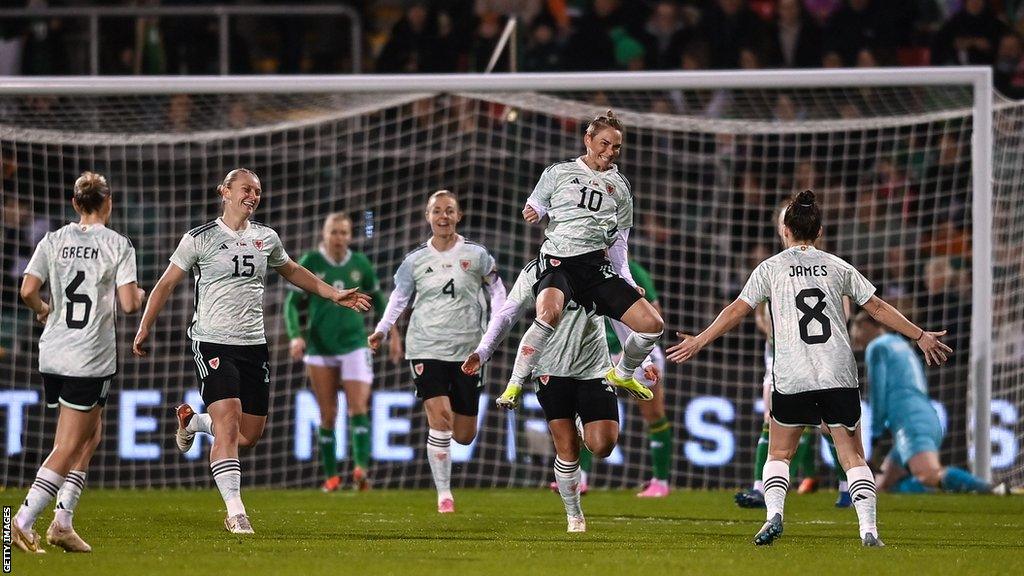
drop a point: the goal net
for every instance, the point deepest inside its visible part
(892, 167)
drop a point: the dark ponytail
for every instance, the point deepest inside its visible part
(803, 217)
(91, 190)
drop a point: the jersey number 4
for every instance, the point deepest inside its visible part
(449, 288)
(76, 298)
(814, 313)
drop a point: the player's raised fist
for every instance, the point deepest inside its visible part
(472, 364)
(374, 340)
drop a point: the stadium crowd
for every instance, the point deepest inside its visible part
(460, 36)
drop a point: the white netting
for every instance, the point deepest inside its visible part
(891, 165)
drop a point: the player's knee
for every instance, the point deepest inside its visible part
(464, 437)
(653, 324)
(549, 315)
(249, 440)
(781, 453)
(602, 447)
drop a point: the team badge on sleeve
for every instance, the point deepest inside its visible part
(214, 362)
(465, 265)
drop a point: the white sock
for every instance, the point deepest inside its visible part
(862, 490)
(776, 484)
(67, 498)
(201, 423)
(567, 476)
(531, 347)
(227, 473)
(439, 452)
(844, 486)
(637, 346)
(44, 489)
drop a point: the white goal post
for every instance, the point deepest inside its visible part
(978, 80)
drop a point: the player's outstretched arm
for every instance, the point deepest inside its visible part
(935, 352)
(303, 278)
(498, 327)
(30, 286)
(157, 299)
(728, 318)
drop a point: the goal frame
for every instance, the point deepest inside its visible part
(977, 77)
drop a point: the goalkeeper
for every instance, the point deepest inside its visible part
(900, 404)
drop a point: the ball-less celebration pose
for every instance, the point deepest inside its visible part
(814, 374)
(86, 264)
(589, 205)
(570, 384)
(447, 274)
(332, 343)
(229, 258)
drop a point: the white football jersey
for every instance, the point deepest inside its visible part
(230, 270)
(804, 289)
(84, 265)
(578, 348)
(450, 311)
(586, 209)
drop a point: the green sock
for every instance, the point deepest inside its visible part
(586, 459)
(660, 435)
(802, 465)
(328, 451)
(359, 426)
(840, 473)
(762, 453)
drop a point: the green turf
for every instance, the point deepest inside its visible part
(498, 532)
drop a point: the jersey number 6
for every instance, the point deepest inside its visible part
(75, 298)
(810, 313)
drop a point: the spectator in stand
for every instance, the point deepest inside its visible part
(856, 25)
(543, 52)
(485, 41)
(1009, 68)
(590, 47)
(665, 37)
(629, 52)
(969, 37)
(727, 27)
(794, 37)
(416, 45)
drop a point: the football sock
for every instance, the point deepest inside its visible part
(840, 473)
(862, 490)
(227, 473)
(531, 347)
(67, 498)
(328, 452)
(760, 458)
(803, 463)
(567, 476)
(960, 480)
(43, 489)
(439, 455)
(359, 426)
(776, 485)
(659, 435)
(636, 347)
(201, 423)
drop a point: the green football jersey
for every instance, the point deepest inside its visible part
(332, 330)
(643, 279)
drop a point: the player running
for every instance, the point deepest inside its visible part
(86, 264)
(332, 343)
(569, 376)
(899, 403)
(448, 275)
(814, 375)
(589, 205)
(229, 258)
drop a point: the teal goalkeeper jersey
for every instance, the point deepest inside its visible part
(333, 330)
(898, 388)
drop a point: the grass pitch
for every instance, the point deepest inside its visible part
(499, 532)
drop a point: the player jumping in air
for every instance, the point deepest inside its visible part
(589, 205)
(229, 258)
(332, 343)
(900, 404)
(814, 375)
(448, 275)
(86, 264)
(569, 376)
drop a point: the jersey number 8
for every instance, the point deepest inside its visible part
(815, 313)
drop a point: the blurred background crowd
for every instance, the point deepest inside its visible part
(460, 36)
